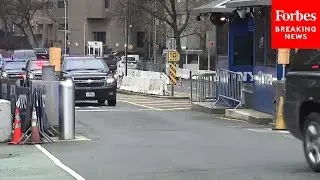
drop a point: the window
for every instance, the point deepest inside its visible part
(222, 39)
(259, 39)
(61, 26)
(100, 36)
(271, 53)
(60, 4)
(243, 49)
(106, 4)
(140, 39)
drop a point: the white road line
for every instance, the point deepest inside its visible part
(112, 110)
(149, 107)
(59, 163)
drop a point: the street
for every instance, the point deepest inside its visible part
(152, 138)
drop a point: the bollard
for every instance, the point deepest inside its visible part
(67, 110)
(48, 73)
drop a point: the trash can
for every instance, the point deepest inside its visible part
(247, 92)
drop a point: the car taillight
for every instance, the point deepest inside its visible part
(315, 67)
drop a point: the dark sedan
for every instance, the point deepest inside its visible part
(15, 70)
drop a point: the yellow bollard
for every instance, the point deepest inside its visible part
(280, 124)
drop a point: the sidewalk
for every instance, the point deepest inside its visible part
(24, 162)
(248, 115)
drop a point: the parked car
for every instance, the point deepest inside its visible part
(111, 62)
(15, 69)
(302, 102)
(34, 70)
(42, 53)
(24, 54)
(93, 79)
(131, 63)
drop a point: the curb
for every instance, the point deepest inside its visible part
(151, 95)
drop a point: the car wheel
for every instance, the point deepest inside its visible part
(112, 102)
(101, 102)
(311, 141)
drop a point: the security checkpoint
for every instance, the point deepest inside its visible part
(40, 112)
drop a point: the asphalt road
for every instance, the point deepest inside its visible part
(139, 140)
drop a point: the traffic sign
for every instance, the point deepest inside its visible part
(173, 56)
(173, 73)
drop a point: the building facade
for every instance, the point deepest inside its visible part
(86, 21)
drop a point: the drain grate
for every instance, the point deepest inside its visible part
(3, 156)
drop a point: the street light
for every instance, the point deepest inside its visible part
(65, 28)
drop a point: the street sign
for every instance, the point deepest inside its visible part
(173, 73)
(173, 56)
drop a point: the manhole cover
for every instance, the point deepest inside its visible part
(3, 156)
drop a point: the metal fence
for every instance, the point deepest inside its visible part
(147, 66)
(203, 87)
(229, 88)
(18, 97)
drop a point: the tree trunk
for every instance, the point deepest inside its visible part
(31, 36)
(178, 46)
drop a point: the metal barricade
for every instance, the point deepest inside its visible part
(229, 88)
(203, 87)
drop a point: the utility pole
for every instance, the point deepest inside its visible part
(127, 36)
(155, 34)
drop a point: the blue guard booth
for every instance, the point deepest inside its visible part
(244, 45)
(265, 68)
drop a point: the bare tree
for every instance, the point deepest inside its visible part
(21, 13)
(175, 13)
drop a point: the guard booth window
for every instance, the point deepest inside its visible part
(243, 45)
(260, 22)
(271, 53)
(222, 39)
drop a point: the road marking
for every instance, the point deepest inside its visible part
(59, 163)
(112, 110)
(172, 109)
(171, 105)
(77, 138)
(149, 107)
(230, 119)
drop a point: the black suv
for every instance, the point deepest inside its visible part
(302, 102)
(92, 77)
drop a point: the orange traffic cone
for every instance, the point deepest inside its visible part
(17, 132)
(35, 135)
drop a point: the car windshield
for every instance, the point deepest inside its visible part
(14, 65)
(37, 65)
(85, 64)
(28, 54)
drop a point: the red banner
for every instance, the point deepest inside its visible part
(295, 24)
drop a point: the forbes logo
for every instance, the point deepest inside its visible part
(281, 15)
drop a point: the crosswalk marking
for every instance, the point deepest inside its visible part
(160, 104)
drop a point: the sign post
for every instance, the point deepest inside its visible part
(173, 58)
(284, 59)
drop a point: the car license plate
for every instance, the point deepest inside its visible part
(90, 94)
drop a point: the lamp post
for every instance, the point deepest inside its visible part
(65, 27)
(127, 36)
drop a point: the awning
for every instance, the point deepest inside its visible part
(215, 6)
(248, 3)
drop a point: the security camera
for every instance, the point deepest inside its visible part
(218, 19)
(242, 12)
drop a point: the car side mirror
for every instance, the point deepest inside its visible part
(24, 69)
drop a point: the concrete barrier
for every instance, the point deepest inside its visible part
(143, 85)
(5, 120)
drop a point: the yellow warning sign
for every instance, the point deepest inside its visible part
(173, 56)
(173, 73)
